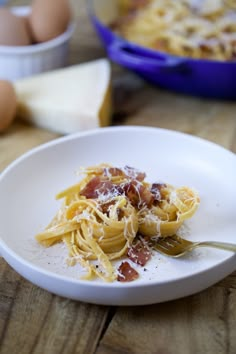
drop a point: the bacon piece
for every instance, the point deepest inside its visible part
(126, 273)
(139, 253)
(138, 194)
(113, 171)
(132, 193)
(206, 49)
(146, 196)
(161, 45)
(89, 191)
(105, 207)
(96, 187)
(133, 173)
(156, 190)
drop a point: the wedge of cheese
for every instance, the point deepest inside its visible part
(67, 100)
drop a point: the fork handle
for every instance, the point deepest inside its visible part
(220, 245)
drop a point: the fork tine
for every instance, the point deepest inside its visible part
(173, 246)
(168, 242)
(164, 243)
(173, 241)
(167, 251)
(180, 241)
(165, 248)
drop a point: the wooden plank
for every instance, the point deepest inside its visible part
(203, 323)
(20, 138)
(34, 321)
(141, 104)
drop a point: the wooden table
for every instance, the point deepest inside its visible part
(35, 321)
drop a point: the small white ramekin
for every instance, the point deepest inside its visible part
(21, 61)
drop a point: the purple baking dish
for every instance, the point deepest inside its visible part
(206, 78)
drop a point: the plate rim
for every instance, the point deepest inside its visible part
(97, 131)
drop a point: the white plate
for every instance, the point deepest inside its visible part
(28, 187)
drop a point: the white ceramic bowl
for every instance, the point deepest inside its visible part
(22, 61)
(27, 204)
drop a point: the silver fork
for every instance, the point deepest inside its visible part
(175, 246)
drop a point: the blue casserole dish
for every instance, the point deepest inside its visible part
(199, 77)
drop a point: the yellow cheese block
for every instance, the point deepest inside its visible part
(67, 100)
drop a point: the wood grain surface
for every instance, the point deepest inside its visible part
(35, 321)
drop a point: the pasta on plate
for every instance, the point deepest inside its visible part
(199, 29)
(111, 214)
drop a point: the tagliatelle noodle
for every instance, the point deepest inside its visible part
(166, 219)
(102, 215)
(199, 29)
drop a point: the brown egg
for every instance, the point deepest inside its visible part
(49, 19)
(8, 103)
(13, 31)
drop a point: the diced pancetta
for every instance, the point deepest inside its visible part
(138, 194)
(135, 174)
(139, 253)
(126, 273)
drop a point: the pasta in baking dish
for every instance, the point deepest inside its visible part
(192, 28)
(112, 213)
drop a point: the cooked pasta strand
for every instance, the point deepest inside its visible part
(101, 216)
(204, 29)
